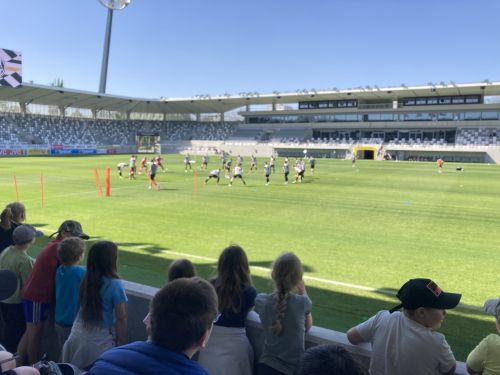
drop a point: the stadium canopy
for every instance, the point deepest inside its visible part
(56, 96)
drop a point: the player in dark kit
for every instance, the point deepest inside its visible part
(312, 164)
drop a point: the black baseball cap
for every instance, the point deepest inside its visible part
(417, 293)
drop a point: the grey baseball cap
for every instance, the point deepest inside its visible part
(24, 234)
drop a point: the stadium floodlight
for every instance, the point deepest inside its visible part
(111, 5)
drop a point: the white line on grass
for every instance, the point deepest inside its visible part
(310, 278)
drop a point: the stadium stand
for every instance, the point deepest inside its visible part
(450, 121)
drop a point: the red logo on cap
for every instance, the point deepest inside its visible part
(433, 287)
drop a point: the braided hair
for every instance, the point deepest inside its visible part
(287, 273)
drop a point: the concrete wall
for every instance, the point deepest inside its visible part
(140, 296)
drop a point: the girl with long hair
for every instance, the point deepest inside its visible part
(228, 350)
(285, 315)
(13, 215)
(101, 321)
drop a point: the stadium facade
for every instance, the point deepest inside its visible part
(456, 122)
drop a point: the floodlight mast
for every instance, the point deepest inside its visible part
(111, 5)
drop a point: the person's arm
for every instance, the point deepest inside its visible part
(301, 289)
(452, 371)
(472, 372)
(121, 323)
(309, 321)
(354, 337)
(477, 357)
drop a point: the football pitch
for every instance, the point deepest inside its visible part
(360, 232)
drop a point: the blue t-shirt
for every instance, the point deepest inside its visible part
(229, 318)
(67, 285)
(112, 293)
(145, 358)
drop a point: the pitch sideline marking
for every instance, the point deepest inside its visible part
(311, 278)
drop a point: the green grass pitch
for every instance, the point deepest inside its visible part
(374, 226)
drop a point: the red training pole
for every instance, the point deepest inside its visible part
(97, 183)
(41, 188)
(15, 185)
(108, 181)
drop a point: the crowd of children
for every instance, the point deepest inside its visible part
(190, 315)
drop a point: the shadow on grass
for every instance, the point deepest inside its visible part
(37, 225)
(339, 311)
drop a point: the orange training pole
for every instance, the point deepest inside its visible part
(15, 185)
(108, 182)
(97, 183)
(41, 188)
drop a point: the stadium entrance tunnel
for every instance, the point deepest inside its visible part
(365, 152)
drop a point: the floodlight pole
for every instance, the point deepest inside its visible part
(105, 53)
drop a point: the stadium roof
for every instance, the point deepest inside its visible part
(49, 95)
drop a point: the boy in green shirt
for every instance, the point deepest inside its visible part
(16, 259)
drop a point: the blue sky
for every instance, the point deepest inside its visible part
(190, 47)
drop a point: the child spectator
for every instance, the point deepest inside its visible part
(13, 215)
(16, 259)
(182, 316)
(229, 351)
(285, 316)
(68, 278)
(485, 358)
(177, 269)
(404, 343)
(38, 294)
(328, 360)
(180, 268)
(102, 302)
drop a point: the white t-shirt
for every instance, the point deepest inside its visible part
(237, 171)
(403, 346)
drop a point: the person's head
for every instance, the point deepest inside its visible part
(182, 314)
(25, 235)
(70, 228)
(497, 317)
(180, 268)
(328, 360)
(233, 276)
(287, 273)
(13, 213)
(101, 262)
(425, 302)
(70, 250)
